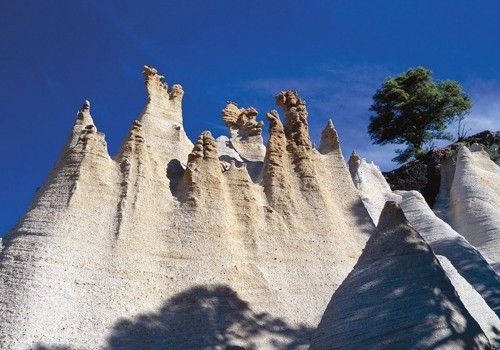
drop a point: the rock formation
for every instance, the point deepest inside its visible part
(424, 174)
(245, 144)
(114, 249)
(397, 297)
(445, 241)
(474, 209)
(228, 244)
(329, 139)
(372, 187)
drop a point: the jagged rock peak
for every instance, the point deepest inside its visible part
(83, 116)
(354, 159)
(276, 146)
(204, 148)
(156, 86)
(289, 99)
(274, 120)
(295, 126)
(242, 119)
(136, 133)
(329, 139)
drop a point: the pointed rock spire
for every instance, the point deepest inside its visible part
(83, 116)
(354, 159)
(134, 138)
(329, 139)
(391, 216)
(84, 123)
(295, 126)
(275, 176)
(162, 102)
(299, 143)
(394, 236)
(203, 170)
(276, 146)
(204, 148)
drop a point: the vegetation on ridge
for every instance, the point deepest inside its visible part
(413, 109)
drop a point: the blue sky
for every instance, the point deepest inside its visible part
(55, 54)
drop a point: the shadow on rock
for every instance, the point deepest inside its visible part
(206, 317)
(203, 317)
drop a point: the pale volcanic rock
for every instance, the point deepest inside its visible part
(329, 139)
(474, 209)
(371, 184)
(442, 203)
(163, 246)
(474, 303)
(245, 132)
(397, 297)
(445, 241)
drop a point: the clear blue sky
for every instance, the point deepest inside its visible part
(55, 54)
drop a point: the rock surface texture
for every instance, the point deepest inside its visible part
(424, 174)
(397, 297)
(474, 208)
(464, 258)
(170, 245)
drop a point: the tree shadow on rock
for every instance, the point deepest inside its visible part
(206, 317)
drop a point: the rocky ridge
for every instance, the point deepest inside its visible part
(109, 243)
(228, 243)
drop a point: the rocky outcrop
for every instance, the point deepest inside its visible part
(466, 260)
(162, 102)
(329, 139)
(241, 121)
(397, 296)
(424, 174)
(299, 143)
(162, 118)
(275, 179)
(110, 239)
(372, 187)
(474, 209)
(203, 169)
(245, 132)
(245, 144)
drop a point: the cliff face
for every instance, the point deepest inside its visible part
(221, 242)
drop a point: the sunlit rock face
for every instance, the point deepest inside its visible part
(397, 297)
(169, 244)
(474, 207)
(477, 284)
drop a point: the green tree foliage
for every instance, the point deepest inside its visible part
(413, 109)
